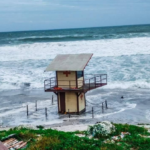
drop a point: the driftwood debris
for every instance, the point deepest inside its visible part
(14, 143)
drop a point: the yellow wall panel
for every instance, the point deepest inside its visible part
(71, 102)
(66, 81)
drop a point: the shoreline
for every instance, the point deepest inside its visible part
(133, 109)
(73, 125)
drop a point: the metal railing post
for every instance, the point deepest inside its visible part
(83, 84)
(50, 83)
(46, 112)
(102, 108)
(27, 111)
(106, 104)
(92, 113)
(35, 105)
(52, 99)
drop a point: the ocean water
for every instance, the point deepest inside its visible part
(121, 52)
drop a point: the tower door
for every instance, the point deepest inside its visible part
(62, 102)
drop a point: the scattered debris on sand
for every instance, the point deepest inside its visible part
(11, 143)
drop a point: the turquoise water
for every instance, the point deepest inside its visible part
(121, 52)
(74, 34)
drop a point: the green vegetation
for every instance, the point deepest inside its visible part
(49, 139)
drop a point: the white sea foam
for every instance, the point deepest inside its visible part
(126, 85)
(17, 115)
(109, 47)
(128, 106)
(119, 58)
(11, 112)
(147, 114)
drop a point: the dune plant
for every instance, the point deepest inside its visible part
(101, 129)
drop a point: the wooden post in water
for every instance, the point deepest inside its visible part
(46, 112)
(52, 99)
(35, 105)
(106, 104)
(27, 111)
(92, 113)
(102, 108)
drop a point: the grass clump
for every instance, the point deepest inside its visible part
(44, 143)
(48, 139)
(130, 128)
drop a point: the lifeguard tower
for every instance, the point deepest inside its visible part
(70, 84)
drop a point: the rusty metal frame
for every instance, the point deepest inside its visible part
(88, 84)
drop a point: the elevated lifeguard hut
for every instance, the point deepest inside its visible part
(70, 84)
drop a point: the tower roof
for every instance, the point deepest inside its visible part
(69, 62)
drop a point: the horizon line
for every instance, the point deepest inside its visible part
(74, 28)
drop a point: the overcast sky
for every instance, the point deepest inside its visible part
(16, 15)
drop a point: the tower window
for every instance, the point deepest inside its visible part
(79, 74)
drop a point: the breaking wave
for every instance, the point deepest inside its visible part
(125, 60)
